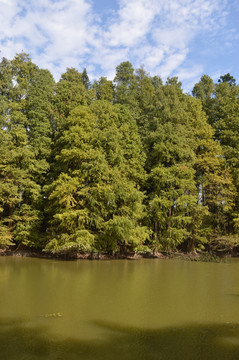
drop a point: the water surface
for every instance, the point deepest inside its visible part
(144, 309)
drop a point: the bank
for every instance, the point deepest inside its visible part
(206, 256)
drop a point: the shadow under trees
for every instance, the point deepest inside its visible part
(20, 341)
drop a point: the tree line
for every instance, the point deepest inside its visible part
(132, 164)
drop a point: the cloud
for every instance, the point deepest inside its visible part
(132, 23)
(174, 60)
(53, 32)
(68, 33)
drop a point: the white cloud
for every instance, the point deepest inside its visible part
(53, 32)
(65, 33)
(172, 63)
(133, 22)
(189, 73)
(189, 76)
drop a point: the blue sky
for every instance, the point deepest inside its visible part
(184, 38)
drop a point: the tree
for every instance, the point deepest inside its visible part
(99, 165)
(226, 124)
(216, 191)
(222, 111)
(125, 87)
(104, 89)
(204, 91)
(26, 134)
(228, 79)
(39, 112)
(145, 99)
(179, 141)
(68, 215)
(70, 92)
(85, 79)
(19, 194)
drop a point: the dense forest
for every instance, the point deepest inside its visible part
(129, 165)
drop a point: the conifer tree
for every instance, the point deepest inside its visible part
(172, 188)
(95, 195)
(104, 89)
(25, 128)
(39, 112)
(222, 110)
(85, 168)
(70, 92)
(19, 192)
(184, 162)
(146, 102)
(85, 79)
(126, 87)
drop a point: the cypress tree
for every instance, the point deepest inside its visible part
(95, 194)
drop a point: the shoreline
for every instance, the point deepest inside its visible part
(209, 256)
(79, 256)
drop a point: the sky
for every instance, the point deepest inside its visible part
(184, 38)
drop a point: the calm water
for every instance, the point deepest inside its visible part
(145, 309)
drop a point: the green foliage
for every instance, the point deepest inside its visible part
(104, 89)
(6, 235)
(26, 224)
(129, 165)
(207, 257)
(228, 79)
(70, 92)
(126, 87)
(98, 166)
(85, 79)
(80, 241)
(222, 110)
(122, 233)
(226, 244)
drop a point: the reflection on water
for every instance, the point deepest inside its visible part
(147, 309)
(20, 341)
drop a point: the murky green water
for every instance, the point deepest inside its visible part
(146, 309)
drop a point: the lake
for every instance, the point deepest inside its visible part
(120, 309)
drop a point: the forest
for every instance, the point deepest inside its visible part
(130, 165)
